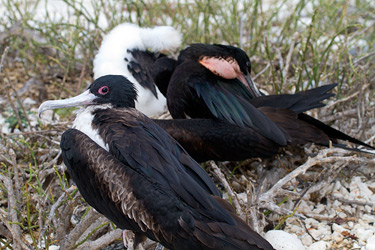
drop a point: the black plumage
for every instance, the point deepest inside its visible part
(142, 179)
(212, 139)
(141, 67)
(195, 92)
(197, 89)
(208, 139)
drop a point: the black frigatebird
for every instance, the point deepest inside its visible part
(117, 55)
(213, 81)
(213, 139)
(138, 176)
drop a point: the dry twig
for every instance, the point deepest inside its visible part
(71, 239)
(52, 212)
(228, 188)
(14, 228)
(266, 200)
(343, 200)
(102, 241)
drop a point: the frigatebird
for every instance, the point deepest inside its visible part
(213, 139)
(213, 81)
(124, 51)
(118, 55)
(138, 176)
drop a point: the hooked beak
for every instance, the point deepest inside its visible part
(85, 98)
(248, 81)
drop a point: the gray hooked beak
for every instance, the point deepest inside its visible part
(85, 98)
(252, 87)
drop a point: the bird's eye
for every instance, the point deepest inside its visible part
(248, 65)
(103, 90)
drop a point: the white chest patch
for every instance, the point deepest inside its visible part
(83, 123)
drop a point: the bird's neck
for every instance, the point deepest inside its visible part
(84, 121)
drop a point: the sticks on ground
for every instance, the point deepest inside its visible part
(14, 227)
(338, 158)
(228, 188)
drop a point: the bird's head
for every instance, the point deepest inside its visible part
(239, 56)
(226, 61)
(110, 89)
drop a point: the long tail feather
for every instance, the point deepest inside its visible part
(333, 134)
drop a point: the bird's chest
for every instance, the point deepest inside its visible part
(83, 123)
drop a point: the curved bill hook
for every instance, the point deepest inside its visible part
(86, 98)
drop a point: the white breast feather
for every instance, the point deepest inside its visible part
(83, 123)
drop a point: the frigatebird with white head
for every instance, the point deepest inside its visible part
(118, 55)
(138, 176)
